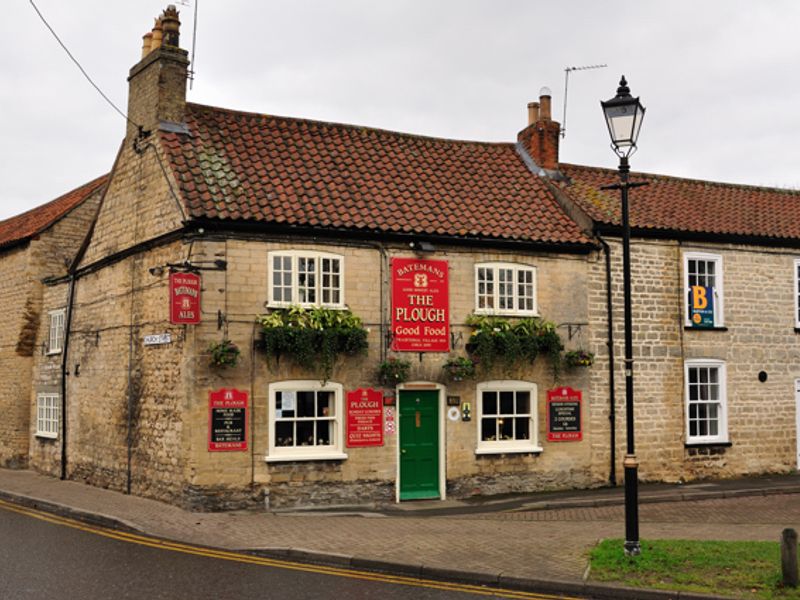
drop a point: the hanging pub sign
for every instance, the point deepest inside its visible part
(184, 298)
(364, 418)
(701, 306)
(564, 419)
(420, 305)
(227, 420)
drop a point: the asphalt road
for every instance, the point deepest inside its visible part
(45, 557)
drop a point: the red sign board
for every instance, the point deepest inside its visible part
(184, 298)
(564, 415)
(227, 420)
(364, 418)
(420, 305)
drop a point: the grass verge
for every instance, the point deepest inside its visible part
(746, 570)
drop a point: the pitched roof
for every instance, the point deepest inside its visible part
(687, 205)
(252, 167)
(28, 224)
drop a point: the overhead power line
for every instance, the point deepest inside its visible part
(85, 74)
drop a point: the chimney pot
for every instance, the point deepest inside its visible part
(533, 112)
(158, 34)
(544, 101)
(147, 42)
(172, 26)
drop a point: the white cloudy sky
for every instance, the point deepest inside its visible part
(718, 78)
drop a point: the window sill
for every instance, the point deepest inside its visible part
(279, 305)
(52, 352)
(707, 444)
(690, 328)
(505, 313)
(510, 450)
(305, 457)
(46, 436)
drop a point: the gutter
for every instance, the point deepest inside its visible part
(64, 352)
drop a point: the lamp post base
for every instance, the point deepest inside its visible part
(631, 466)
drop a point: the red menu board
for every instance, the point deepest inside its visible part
(227, 420)
(564, 418)
(184, 298)
(364, 418)
(420, 305)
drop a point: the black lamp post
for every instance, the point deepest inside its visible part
(624, 116)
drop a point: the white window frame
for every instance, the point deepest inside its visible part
(796, 278)
(509, 446)
(55, 342)
(721, 436)
(48, 415)
(719, 296)
(295, 256)
(496, 268)
(289, 453)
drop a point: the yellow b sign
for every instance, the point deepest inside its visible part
(699, 298)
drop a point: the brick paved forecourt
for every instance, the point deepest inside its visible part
(536, 542)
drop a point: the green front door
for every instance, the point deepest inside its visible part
(419, 444)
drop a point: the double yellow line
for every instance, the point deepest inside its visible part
(162, 544)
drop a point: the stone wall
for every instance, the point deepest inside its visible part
(24, 330)
(369, 474)
(759, 336)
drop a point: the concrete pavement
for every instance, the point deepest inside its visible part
(537, 542)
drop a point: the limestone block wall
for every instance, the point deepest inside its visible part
(759, 336)
(125, 399)
(17, 345)
(139, 204)
(240, 293)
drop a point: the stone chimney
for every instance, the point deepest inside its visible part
(157, 83)
(540, 138)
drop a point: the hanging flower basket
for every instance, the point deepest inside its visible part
(459, 368)
(224, 354)
(393, 371)
(578, 358)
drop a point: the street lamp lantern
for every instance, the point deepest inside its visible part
(624, 115)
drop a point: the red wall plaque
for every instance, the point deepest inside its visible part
(227, 420)
(364, 418)
(564, 415)
(420, 305)
(184, 298)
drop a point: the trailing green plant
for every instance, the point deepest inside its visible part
(393, 371)
(459, 368)
(578, 358)
(313, 337)
(497, 340)
(224, 354)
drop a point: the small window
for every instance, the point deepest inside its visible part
(797, 292)
(706, 402)
(507, 417)
(505, 289)
(47, 415)
(306, 278)
(703, 290)
(56, 340)
(305, 421)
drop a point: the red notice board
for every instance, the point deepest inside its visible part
(564, 415)
(364, 418)
(184, 298)
(420, 305)
(227, 420)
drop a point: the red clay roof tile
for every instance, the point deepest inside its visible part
(306, 173)
(29, 224)
(687, 205)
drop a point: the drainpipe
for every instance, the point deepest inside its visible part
(64, 350)
(612, 417)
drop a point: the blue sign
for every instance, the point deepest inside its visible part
(701, 306)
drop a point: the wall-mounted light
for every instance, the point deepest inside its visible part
(156, 271)
(422, 247)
